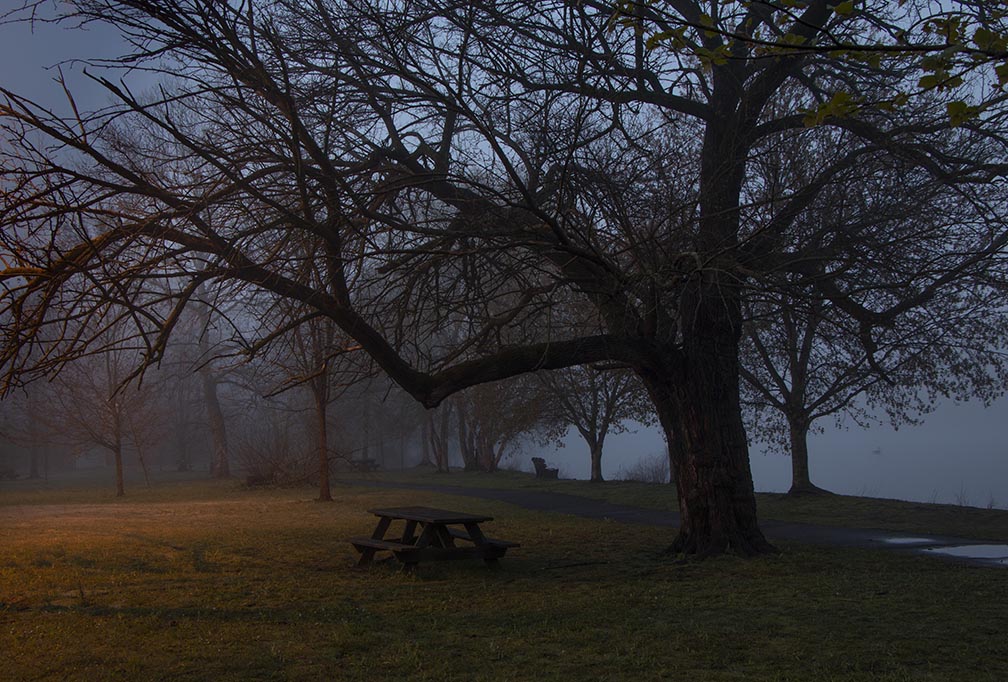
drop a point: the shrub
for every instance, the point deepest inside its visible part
(653, 468)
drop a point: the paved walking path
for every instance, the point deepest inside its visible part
(775, 531)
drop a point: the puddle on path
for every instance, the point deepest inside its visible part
(909, 541)
(998, 552)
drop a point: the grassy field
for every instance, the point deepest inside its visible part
(198, 580)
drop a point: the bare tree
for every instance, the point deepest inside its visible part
(596, 403)
(315, 356)
(805, 359)
(465, 163)
(26, 425)
(96, 404)
(803, 367)
(493, 418)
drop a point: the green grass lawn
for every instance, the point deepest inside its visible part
(196, 580)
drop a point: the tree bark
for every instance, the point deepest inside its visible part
(439, 439)
(699, 412)
(143, 464)
(467, 443)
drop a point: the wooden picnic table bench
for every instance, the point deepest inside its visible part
(429, 534)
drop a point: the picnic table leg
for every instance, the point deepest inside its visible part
(379, 531)
(426, 536)
(367, 553)
(444, 537)
(476, 534)
(490, 553)
(409, 533)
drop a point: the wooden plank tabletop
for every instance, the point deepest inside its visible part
(428, 515)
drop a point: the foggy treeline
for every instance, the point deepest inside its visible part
(207, 408)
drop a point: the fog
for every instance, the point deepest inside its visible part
(958, 455)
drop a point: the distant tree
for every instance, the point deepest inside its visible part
(596, 403)
(802, 367)
(315, 356)
(212, 374)
(26, 427)
(99, 403)
(438, 431)
(493, 418)
(804, 358)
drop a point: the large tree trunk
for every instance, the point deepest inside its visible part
(325, 493)
(801, 483)
(219, 466)
(698, 406)
(695, 385)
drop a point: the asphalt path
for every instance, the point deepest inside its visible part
(984, 554)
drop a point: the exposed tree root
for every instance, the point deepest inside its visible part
(807, 490)
(697, 548)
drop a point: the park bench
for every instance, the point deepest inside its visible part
(542, 471)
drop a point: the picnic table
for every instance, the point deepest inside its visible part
(429, 534)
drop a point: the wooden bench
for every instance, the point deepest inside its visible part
(542, 471)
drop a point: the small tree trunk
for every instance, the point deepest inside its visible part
(596, 461)
(219, 466)
(487, 455)
(801, 483)
(143, 465)
(117, 456)
(325, 493)
(33, 467)
(467, 444)
(366, 447)
(425, 441)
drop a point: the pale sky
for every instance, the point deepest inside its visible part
(960, 452)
